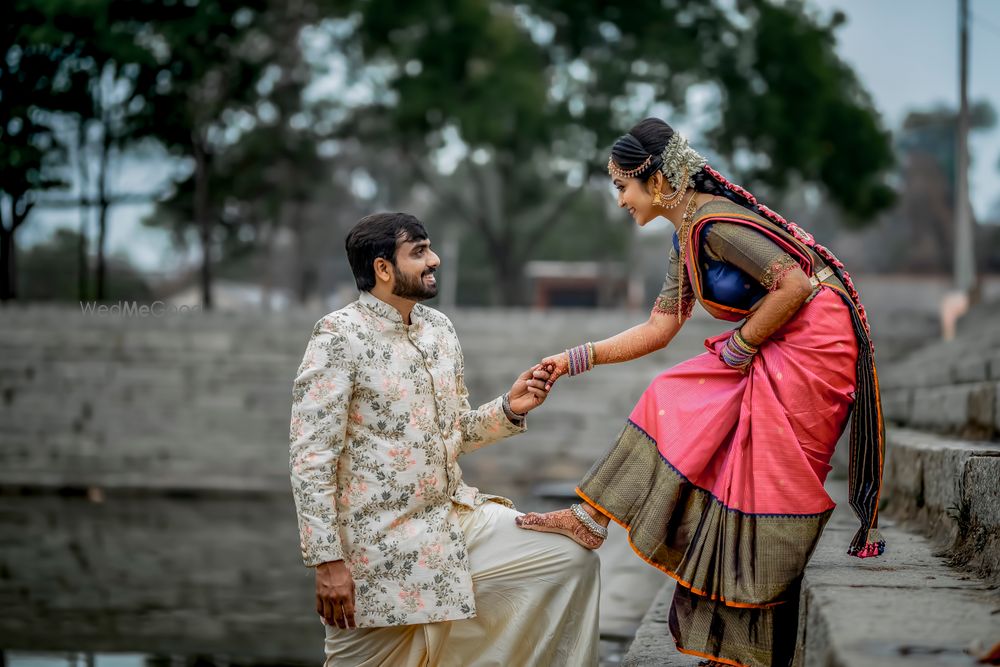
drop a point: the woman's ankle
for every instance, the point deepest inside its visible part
(595, 514)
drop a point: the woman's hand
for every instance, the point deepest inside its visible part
(529, 390)
(557, 365)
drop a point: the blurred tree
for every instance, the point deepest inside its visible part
(45, 273)
(114, 78)
(524, 97)
(535, 92)
(256, 160)
(29, 148)
(119, 81)
(216, 52)
(97, 98)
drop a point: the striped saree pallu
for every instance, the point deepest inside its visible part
(718, 478)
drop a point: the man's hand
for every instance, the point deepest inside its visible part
(335, 594)
(529, 390)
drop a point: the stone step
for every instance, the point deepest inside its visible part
(949, 490)
(969, 409)
(908, 608)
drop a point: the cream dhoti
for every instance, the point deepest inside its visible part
(536, 601)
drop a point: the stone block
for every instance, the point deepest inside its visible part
(897, 405)
(967, 408)
(940, 408)
(924, 473)
(982, 409)
(905, 608)
(949, 489)
(996, 413)
(976, 368)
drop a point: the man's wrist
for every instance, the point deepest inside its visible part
(329, 563)
(514, 417)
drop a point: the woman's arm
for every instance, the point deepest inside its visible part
(777, 307)
(653, 334)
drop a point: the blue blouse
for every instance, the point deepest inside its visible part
(725, 283)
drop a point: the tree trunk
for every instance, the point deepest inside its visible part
(19, 210)
(102, 235)
(6, 263)
(102, 213)
(305, 279)
(265, 266)
(82, 266)
(202, 217)
(507, 281)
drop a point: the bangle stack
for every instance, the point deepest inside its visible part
(738, 353)
(581, 358)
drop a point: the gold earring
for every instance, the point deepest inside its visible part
(658, 199)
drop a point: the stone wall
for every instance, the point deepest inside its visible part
(202, 401)
(942, 474)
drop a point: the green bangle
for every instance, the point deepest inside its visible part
(742, 343)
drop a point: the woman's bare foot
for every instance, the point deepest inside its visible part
(568, 522)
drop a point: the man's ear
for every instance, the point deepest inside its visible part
(383, 269)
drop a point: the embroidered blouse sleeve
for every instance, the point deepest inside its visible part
(670, 299)
(751, 251)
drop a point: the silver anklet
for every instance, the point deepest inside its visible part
(588, 521)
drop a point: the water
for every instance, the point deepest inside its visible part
(156, 576)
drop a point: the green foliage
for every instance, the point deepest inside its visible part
(535, 91)
(542, 88)
(800, 106)
(565, 77)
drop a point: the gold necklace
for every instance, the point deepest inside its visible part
(682, 241)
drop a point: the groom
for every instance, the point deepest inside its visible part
(413, 566)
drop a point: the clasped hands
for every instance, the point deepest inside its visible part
(532, 387)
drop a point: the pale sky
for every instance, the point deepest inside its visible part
(904, 51)
(906, 54)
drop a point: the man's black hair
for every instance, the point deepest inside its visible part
(379, 235)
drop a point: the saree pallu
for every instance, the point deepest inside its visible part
(718, 478)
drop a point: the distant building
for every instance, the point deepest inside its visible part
(556, 284)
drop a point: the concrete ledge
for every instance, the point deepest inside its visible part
(948, 490)
(910, 607)
(906, 608)
(653, 645)
(968, 409)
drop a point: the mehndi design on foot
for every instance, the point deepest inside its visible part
(575, 523)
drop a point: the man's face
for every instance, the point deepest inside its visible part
(414, 271)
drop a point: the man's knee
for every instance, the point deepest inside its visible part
(578, 559)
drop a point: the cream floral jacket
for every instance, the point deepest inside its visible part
(380, 415)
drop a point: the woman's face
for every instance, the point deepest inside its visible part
(636, 196)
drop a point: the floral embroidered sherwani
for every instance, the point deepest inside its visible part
(380, 415)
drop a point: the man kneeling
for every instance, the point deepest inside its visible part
(413, 566)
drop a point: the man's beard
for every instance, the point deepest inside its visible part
(414, 288)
